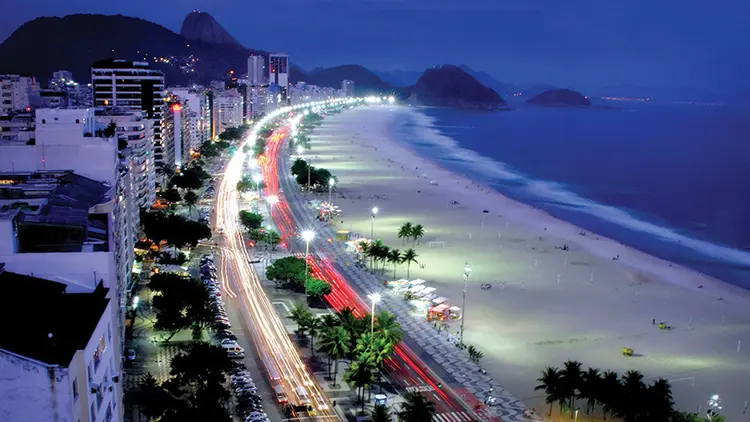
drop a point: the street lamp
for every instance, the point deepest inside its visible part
(374, 298)
(374, 211)
(272, 200)
(331, 182)
(299, 150)
(467, 274)
(257, 178)
(307, 236)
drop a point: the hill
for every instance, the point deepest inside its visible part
(488, 80)
(399, 78)
(560, 98)
(44, 45)
(365, 81)
(200, 26)
(450, 86)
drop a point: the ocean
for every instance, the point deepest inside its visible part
(670, 180)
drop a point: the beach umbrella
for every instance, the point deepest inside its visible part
(417, 281)
(439, 300)
(429, 289)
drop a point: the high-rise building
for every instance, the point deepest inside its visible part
(16, 93)
(196, 109)
(348, 87)
(132, 85)
(256, 70)
(227, 109)
(61, 363)
(278, 72)
(177, 134)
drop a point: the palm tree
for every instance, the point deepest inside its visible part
(360, 375)
(659, 403)
(416, 408)
(191, 199)
(389, 329)
(376, 249)
(315, 327)
(404, 233)
(610, 393)
(383, 256)
(417, 233)
(334, 342)
(380, 413)
(394, 257)
(111, 129)
(571, 381)
(301, 314)
(408, 257)
(245, 184)
(329, 321)
(633, 392)
(591, 381)
(550, 382)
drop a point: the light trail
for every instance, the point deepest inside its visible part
(269, 334)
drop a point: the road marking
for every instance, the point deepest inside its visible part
(453, 417)
(419, 389)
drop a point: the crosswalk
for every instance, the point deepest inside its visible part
(452, 417)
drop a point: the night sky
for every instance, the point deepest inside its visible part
(584, 44)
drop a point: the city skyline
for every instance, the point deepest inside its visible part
(580, 45)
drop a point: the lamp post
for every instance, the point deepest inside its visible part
(374, 298)
(331, 182)
(374, 211)
(299, 150)
(309, 166)
(257, 178)
(272, 200)
(467, 274)
(307, 236)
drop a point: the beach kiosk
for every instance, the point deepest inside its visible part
(439, 312)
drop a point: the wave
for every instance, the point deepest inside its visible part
(494, 171)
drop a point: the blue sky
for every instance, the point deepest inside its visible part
(577, 43)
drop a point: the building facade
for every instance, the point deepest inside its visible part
(256, 70)
(16, 93)
(348, 87)
(61, 364)
(278, 73)
(227, 109)
(132, 85)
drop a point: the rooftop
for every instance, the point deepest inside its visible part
(56, 327)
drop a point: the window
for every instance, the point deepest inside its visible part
(78, 121)
(56, 119)
(75, 390)
(109, 332)
(44, 121)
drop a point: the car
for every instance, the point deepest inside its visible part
(235, 355)
(249, 388)
(238, 366)
(249, 398)
(221, 318)
(215, 294)
(241, 376)
(228, 335)
(244, 381)
(130, 355)
(256, 415)
(229, 341)
(219, 325)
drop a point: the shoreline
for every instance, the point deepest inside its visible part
(623, 296)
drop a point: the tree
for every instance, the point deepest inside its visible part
(317, 288)
(394, 257)
(171, 195)
(287, 270)
(659, 402)
(152, 399)
(404, 233)
(408, 257)
(416, 408)
(245, 184)
(571, 377)
(417, 232)
(191, 199)
(110, 130)
(334, 342)
(173, 229)
(590, 388)
(190, 178)
(633, 394)
(251, 220)
(201, 364)
(380, 413)
(299, 167)
(180, 303)
(610, 393)
(301, 315)
(475, 355)
(359, 374)
(388, 328)
(550, 382)
(273, 238)
(257, 235)
(314, 327)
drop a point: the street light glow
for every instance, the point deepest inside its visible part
(375, 297)
(257, 178)
(374, 210)
(299, 150)
(331, 181)
(307, 235)
(273, 199)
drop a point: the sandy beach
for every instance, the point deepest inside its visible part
(546, 305)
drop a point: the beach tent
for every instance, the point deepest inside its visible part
(417, 288)
(401, 281)
(429, 289)
(440, 309)
(417, 281)
(439, 300)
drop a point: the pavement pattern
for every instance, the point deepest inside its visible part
(436, 344)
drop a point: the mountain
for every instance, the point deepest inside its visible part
(201, 26)
(450, 86)
(365, 81)
(560, 98)
(486, 79)
(531, 91)
(44, 45)
(399, 78)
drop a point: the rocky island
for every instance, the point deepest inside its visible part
(450, 86)
(560, 98)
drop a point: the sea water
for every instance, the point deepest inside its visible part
(670, 180)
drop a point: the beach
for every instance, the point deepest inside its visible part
(546, 304)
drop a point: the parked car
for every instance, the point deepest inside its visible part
(130, 355)
(228, 341)
(235, 355)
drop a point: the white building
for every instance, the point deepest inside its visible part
(136, 132)
(61, 364)
(278, 72)
(177, 135)
(348, 87)
(132, 85)
(17, 128)
(197, 112)
(256, 70)
(227, 109)
(16, 93)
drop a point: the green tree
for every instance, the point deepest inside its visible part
(550, 382)
(317, 288)
(590, 388)
(633, 395)
(299, 167)
(380, 413)
(610, 393)
(191, 199)
(359, 375)
(201, 364)
(571, 376)
(173, 229)
(171, 195)
(394, 257)
(334, 342)
(315, 328)
(404, 232)
(389, 328)
(251, 220)
(416, 408)
(110, 130)
(287, 270)
(273, 238)
(179, 303)
(301, 315)
(245, 184)
(417, 232)
(190, 178)
(257, 235)
(152, 399)
(659, 402)
(408, 257)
